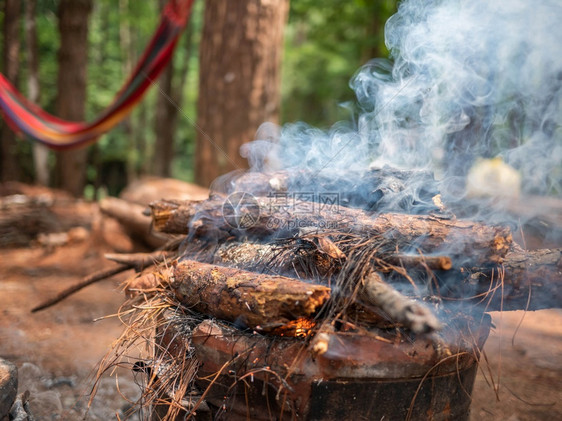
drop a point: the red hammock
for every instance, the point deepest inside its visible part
(27, 118)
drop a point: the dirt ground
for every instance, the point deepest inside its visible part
(57, 350)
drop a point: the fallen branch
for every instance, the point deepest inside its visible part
(141, 260)
(89, 280)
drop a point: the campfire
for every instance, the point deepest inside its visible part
(348, 273)
(266, 303)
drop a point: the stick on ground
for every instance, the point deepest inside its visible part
(89, 280)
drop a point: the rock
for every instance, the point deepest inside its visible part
(8, 386)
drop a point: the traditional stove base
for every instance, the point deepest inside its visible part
(444, 397)
(253, 377)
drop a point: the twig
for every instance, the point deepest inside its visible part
(399, 308)
(432, 262)
(137, 261)
(95, 277)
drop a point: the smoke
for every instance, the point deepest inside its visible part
(467, 79)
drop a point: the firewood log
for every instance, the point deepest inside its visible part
(529, 280)
(466, 242)
(130, 216)
(149, 188)
(375, 189)
(257, 301)
(398, 308)
(539, 270)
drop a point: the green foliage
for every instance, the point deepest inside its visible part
(182, 166)
(326, 42)
(48, 39)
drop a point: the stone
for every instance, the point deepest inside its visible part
(8, 386)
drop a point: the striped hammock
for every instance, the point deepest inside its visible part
(28, 119)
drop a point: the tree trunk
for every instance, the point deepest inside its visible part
(168, 104)
(40, 152)
(164, 123)
(239, 80)
(10, 169)
(125, 41)
(71, 100)
(164, 120)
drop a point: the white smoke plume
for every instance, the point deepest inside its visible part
(467, 79)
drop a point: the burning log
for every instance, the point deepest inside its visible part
(252, 256)
(286, 258)
(293, 260)
(466, 242)
(258, 301)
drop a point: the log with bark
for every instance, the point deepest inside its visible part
(258, 301)
(527, 280)
(23, 217)
(373, 190)
(131, 217)
(466, 242)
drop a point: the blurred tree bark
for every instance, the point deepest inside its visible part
(126, 43)
(10, 170)
(168, 103)
(40, 152)
(71, 85)
(239, 82)
(164, 122)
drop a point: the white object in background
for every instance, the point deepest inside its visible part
(493, 178)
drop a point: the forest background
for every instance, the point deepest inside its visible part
(317, 51)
